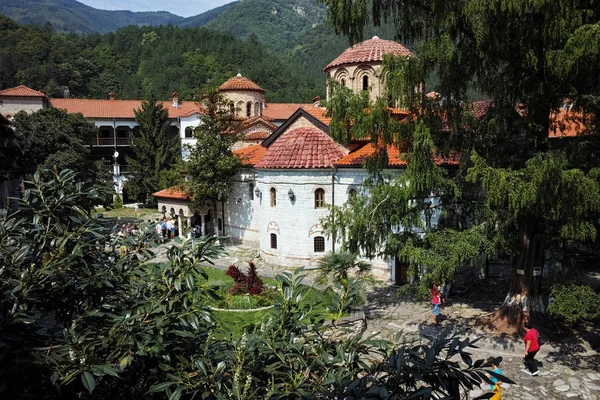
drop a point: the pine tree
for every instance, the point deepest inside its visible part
(156, 153)
(211, 165)
(530, 58)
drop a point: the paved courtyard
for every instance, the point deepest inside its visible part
(570, 369)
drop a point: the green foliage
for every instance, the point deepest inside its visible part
(117, 202)
(79, 318)
(337, 267)
(211, 164)
(156, 152)
(178, 59)
(574, 303)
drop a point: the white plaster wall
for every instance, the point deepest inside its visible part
(240, 218)
(12, 105)
(192, 121)
(115, 123)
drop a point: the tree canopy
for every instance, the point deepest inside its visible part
(156, 152)
(537, 63)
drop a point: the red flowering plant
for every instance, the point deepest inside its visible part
(249, 283)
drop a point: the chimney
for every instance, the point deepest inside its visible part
(175, 99)
(316, 101)
(111, 95)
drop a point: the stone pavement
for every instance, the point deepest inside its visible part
(568, 370)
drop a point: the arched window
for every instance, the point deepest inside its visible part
(188, 132)
(256, 109)
(240, 106)
(273, 197)
(319, 244)
(343, 82)
(231, 109)
(319, 198)
(273, 241)
(251, 191)
(365, 82)
(351, 193)
(249, 109)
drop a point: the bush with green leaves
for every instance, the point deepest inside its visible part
(117, 202)
(80, 319)
(574, 303)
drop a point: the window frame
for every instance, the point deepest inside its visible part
(273, 241)
(319, 202)
(273, 198)
(321, 244)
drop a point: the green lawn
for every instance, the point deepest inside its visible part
(126, 212)
(231, 323)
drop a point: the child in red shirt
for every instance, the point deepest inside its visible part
(532, 345)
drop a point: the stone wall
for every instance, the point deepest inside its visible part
(241, 98)
(12, 105)
(351, 76)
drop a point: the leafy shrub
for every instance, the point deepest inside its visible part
(242, 302)
(249, 283)
(117, 202)
(414, 292)
(574, 303)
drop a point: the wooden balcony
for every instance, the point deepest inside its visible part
(109, 142)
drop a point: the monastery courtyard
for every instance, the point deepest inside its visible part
(569, 369)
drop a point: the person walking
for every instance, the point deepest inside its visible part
(435, 302)
(532, 346)
(495, 381)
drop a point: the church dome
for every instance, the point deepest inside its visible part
(239, 82)
(302, 148)
(371, 50)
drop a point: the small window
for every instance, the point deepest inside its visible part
(365, 82)
(249, 109)
(251, 191)
(188, 132)
(273, 241)
(319, 244)
(343, 82)
(319, 198)
(352, 193)
(273, 197)
(231, 109)
(220, 224)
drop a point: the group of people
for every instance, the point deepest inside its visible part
(165, 228)
(125, 230)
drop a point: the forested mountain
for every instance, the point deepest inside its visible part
(202, 19)
(137, 62)
(73, 16)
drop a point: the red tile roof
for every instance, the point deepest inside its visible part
(21, 91)
(567, 123)
(302, 148)
(319, 113)
(171, 193)
(251, 155)
(119, 108)
(257, 135)
(371, 50)
(358, 157)
(282, 111)
(260, 120)
(240, 82)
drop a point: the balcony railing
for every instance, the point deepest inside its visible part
(109, 142)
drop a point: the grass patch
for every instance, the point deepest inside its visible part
(126, 212)
(233, 324)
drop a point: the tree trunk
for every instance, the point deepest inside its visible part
(524, 299)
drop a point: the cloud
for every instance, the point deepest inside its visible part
(184, 8)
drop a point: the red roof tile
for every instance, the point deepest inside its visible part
(567, 123)
(257, 135)
(119, 108)
(358, 157)
(319, 113)
(260, 120)
(171, 193)
(371, 50)
(240, 82)
(251, 155)
(282, 111)
(302, 148)
(21, 91)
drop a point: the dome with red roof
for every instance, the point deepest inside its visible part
(240, 82)
(369, 51)
(302, 148)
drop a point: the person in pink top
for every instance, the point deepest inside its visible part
(435, 302)
(532, 345)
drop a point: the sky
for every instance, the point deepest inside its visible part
(184, 8)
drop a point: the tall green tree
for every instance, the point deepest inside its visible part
(156, 152)
(211, 164)
(529, 58)
(55, 139)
